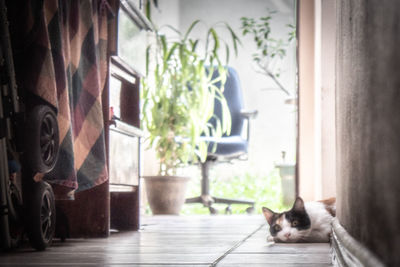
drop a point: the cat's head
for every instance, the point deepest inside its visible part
(288, 226)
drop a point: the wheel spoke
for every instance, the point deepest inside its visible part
(45, 138)
(47, 124)
(45, 229)
(45, 147)
(48, 150)
(47, 203)
(45, 211)
(51, 148)
(45, 217)
(44, 129)
(47, 144)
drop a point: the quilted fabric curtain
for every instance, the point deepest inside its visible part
(63, 60)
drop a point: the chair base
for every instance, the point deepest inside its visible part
(208, 200)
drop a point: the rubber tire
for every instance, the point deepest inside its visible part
(250, 210)
(228, 210)
(213, 211)
(16, 228)
(42, 139)
(42, 216)
(14, 202)
(15, 222)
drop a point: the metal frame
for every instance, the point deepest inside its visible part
(8, 106)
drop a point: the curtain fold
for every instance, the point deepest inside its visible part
(63, 60)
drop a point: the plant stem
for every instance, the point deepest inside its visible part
(277, 82)
(268, 73)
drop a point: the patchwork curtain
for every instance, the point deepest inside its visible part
(63, 60)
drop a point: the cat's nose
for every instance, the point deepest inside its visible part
(287, 235)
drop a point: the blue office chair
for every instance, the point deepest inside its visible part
(228, 147)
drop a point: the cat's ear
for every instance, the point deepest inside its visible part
(298, 204)
(268, 214)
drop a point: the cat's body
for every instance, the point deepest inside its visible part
(305, 222)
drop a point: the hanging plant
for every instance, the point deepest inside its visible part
(269, 50)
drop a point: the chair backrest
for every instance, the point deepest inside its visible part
(234, 97)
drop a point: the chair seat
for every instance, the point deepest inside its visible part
(229, 145)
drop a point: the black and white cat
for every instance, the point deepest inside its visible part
(305, 222)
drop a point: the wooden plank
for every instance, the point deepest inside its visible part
(177, 241)
(109, 265)
(268, 248)
(274, 265)
(134, 249)
(102, 259)
(250, 259)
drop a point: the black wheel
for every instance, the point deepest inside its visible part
(228, 209)
(14, 202)
(213, 211)
(250, 210)
(14, 218)
(42, 139)
(42, 216)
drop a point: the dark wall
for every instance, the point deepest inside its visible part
(368, 124)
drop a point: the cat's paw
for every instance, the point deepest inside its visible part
(270, 239)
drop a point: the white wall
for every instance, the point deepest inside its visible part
(317, 175)
(168, 12)
(307, 130)
(328, 140)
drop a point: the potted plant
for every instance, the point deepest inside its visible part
(178, 96)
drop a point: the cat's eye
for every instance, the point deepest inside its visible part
(277, 228)
(295, 223)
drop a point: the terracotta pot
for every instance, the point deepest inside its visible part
(166, 194)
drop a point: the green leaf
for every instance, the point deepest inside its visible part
(227, 53)
(164, 45)
(147, 59)
(168, 55)
(264, 52)
(194, 44)
(173, 29)
(216, 40)
(190, 29)
(148, 10)
(235, 39)
(203, 151)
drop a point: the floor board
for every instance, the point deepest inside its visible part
(178, 241)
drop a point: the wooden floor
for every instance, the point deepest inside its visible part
(178, 241)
